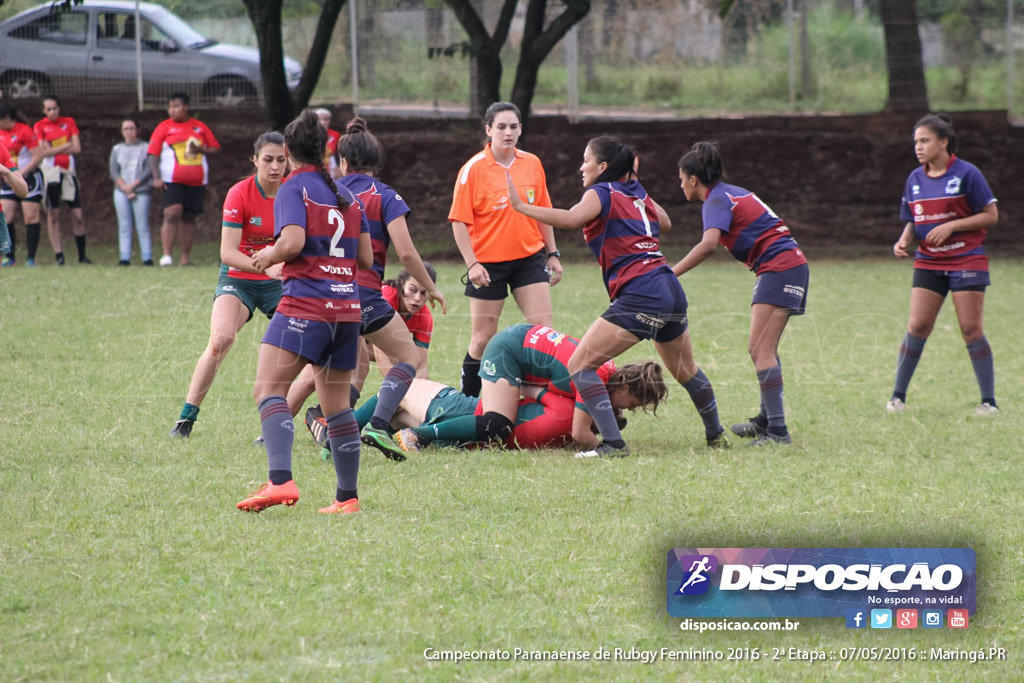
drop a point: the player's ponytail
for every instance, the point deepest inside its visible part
(942, 126)
(645, 382)
(361, 149)
(704, 162)
(306, 140)
(620, 158)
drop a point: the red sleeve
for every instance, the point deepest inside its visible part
(156, 140)
(211, 141)
(72, 127)
(234, 208)
(551, 429)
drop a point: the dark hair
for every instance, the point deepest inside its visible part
(306, 140)
(271, 137)
(360, 148)
(128, 118)
(619, 157)
(703, 161)
(51, 97)
(183, 96)
(499, 107)
(403, 277)
(9, 111)
(645, 382)
(942, 126)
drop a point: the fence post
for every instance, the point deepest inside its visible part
(792, 56)
(354, 49)
(1011, 54)
(572, 72)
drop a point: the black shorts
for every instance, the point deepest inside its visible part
(511, 275)
(53, 198)
(35, 189)
(189, 196)
(942, 281)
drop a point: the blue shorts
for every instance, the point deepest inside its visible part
(942, 281)
(652, 306)
(785, 289)
(377, 312)
(332, 345)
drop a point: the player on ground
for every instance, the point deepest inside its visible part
(621, 225)
(323, 240)
(502, 249)
(58, 136)
(27, 153)
(247, 227)
(178, 152)
(738, 220)
(948, 208)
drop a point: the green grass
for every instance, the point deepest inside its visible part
(122, 556)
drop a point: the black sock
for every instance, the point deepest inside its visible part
(278, 477)
(80, 243)
(470, 376)
(341, 496)
(60, 258)
(31, 238)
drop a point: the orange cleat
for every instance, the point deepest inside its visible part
(341, 507)
(269, 495)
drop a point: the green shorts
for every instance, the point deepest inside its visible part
(449, 403)
(503, 355)
(261, 294)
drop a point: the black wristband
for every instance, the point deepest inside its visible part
(557, 254)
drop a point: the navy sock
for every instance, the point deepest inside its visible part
(392, 391)
(703, 396)
(343, 433)
(470, 380)
(984, 368)
(770, 380)
(595, 394)
(278, 432)
(906, 364)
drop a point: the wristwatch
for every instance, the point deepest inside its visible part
(555, 253)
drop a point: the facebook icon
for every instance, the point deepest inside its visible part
(856, 618)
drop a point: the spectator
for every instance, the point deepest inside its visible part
(58, 136)
(27, 154)
(133, 184)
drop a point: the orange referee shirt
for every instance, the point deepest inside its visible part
(497, 231)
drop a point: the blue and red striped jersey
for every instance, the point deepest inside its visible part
(751, 231)
(960, 192)
(381, 205)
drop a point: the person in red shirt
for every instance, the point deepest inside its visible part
(9, 177)
(177, 156)
(58, 136)
(330, 156)
(27, 154)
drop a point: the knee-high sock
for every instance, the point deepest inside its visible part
(703, 396)
(278, 437)
(343, 433)
(595, 395)
(469, 383)
(392, 391)
(365, 412)
(770, 380)
(906, 363)
(459, 430)
(80, 243)
(31, 238)
(984, 368)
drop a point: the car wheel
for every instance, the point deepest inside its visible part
(19, 85)
(228, 92)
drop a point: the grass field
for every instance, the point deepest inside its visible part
(122, 556)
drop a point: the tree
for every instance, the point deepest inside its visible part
(281, 104)
(907, 88)
(538, 41)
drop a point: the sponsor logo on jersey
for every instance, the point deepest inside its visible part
(531, 196)
(341, 288)
(336, 270)
(953, 185)
(916, 189)
(489, 368)
(555, 337)
(256, 220)
(646, 245)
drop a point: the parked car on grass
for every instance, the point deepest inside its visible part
(90, 49)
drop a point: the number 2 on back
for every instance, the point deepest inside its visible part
(334, 217)
(639, 204)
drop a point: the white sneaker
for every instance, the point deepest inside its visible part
(986, 409)
(895, 405)
(166, 260)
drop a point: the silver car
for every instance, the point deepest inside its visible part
(91, 50)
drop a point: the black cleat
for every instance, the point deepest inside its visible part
(182, 429)
(749, 429)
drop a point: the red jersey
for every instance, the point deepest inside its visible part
(545, 361)
(420, 323)
(247, 208)
(57, 133)
(544, 423)
(332, 146)
(7, 162)
(170, 143)
(18, 139)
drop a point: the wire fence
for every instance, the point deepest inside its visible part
(673, 58)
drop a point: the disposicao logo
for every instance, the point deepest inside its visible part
(817, 582)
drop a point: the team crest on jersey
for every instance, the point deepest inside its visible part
(531, 196)
(953, 185)
(916, 189)
(918, 209)
(197, 130)
(256, 220)
(555, 337)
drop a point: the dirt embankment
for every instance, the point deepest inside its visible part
(835, 180)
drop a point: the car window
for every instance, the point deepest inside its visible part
(117, 30)
(66, 28)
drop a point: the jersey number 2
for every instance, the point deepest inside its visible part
(334, 217)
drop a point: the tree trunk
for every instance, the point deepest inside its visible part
(266, 21)
(907, 88)
(538, 43)
(318, 52)
(485, 49)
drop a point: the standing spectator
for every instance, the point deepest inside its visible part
(177, 159)
(330, 158)
(133, 183)
(21, 142)
(58, 136)
(502, 249)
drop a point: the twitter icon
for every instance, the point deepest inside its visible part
(881, 618)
